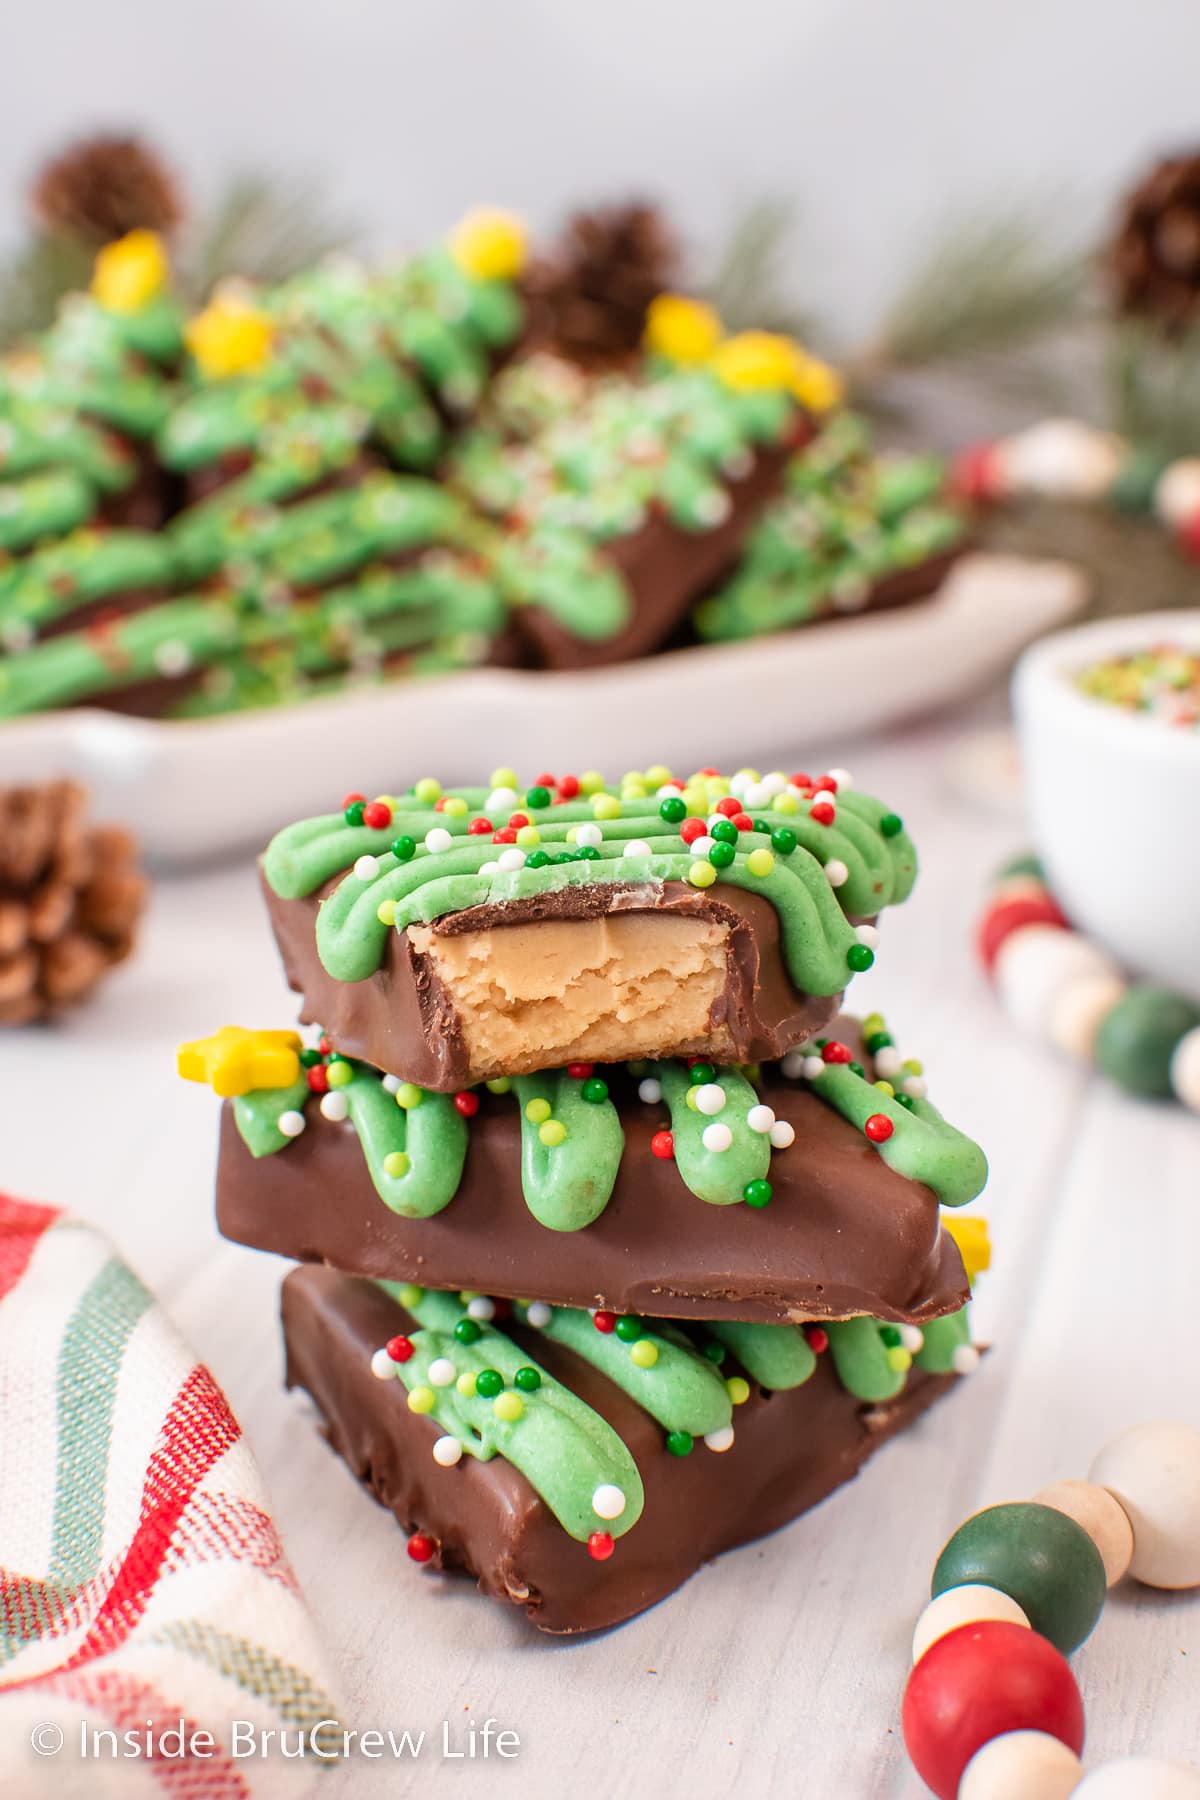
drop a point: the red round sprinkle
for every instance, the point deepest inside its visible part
(479, 826)
(352, 800)
(439, 804)
(691, 829)
(662, 1145)
(728, 804)
(324, 1046)
(826, 781)
(421, 1547)
(505, 836)
(801, 781)
(466, 1103)
(580, 1071)
(879, 1128)
(822, 813)
(317, 1078)
(604, 1321)
(601, 1546)
(818, 1338)
(743, 821)
(517, 819)
(710, 771)
(568, 787)
(835, 1052)
(399, 1348)
(378, 815)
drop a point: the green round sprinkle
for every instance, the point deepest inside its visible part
(309, 1058)
(594, 1090)
(674, 811)
(404, 849)
(856, 1068)
(891, 825)
(563, 856)
(890, 1336)
(528, 1380)
(587, 853)
(905, 1100)
(679, 1443)
(353, 814)
(783, 839)
(763, 825)
(489, 1383)
(721, 855)
(725, 831)
(629, 1328)
(537, 859)
(859, 957)
(757, 1193)
(700, 1074)
(714, 1349)
(467, 1331)
(537, 796)
(878, 1040)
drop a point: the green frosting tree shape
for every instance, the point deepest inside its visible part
(682, 1390)
(564, 1449)
(425, 1143)
(776, 1356)
(86, 566)
(257, 1115)
(41, 505)
(922, 1146)
(718, 1176)
(567, 1184)
(860, 1357)
(163, 640)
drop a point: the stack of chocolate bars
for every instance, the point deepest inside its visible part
(622, 1245)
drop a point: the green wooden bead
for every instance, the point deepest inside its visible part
(1038, 1557)
(1136, 1039)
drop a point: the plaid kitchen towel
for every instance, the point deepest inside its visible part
(143, 1586)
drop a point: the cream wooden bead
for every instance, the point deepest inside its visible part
(1101, 1516)
(1029, 1764)
(1077, 1011)
(1177, 495)
(1138, 1778)
(1154, 1471)
(964, 1605)
(1036, 964)
(1063, 457)
(1185, 1070)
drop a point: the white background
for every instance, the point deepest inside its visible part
(878, 116)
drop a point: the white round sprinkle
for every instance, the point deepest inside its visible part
(334, 1105)
(714, 819)
(813, 1066)
(843, 777)
(757, 795)
(836, 872)
(710, 1098)
(702, 845)
(500, 800)
(489, 868)
(173, 658)
(888, 1062)
(442, 1372)
(911, 1338)
(713, 507)
(650, 1090)
(720, 1440)
(793, 1064)
(636, 847)
(608, 1502)
(668, 791)
(481, 1309)
(590, 836)
(739, 783)
(447, 1451)
(382, 1366)
(512, 857)
(391, 1084)
(761, 1119)
(775, 782)
(292, 1123)
(914, 1087)
(538, 1314)
(965, 1359)
(717, 1137)
(367, 868)
(782, 1135)
(868, 935)
(437, 840)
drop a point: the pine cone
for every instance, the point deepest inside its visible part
(70, 897)
(1154, 259)
(99, 188)
(588, 300)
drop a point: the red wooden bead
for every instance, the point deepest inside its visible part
(1006, 916)
(975, 474)
(377, 814)
(466, 1103)
(580, 1071)
(822, 812)
(517, 819)
(568, 787)
(317, 1078)
(663, 1145)
(421, 1547)
(604, 1321)
(1189, 535)
(818, 1338)
(691, 829)
(352, 800)
(478, 826)
(743, 821)
(977, 1683)
(728, 804)
(399, 1348)
(836, 1052)
(601, 1546)
(879, 1128)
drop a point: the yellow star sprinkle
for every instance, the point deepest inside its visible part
(235, 1061)
(230, 337)
(974, 1243)
(489, 244)
(130, 271)
(682, 330)
(756, 359)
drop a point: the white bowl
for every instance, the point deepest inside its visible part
(1114, 799)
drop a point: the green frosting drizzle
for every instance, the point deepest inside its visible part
(567, 1185)
(564, 1449)
(860, 1357)
(718, 1176)
(922, 1146)
(682, 1390)
(942, 1338)
(258, 1114)
(431, 1135)
(776, 1356)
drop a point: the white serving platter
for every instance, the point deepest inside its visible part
(204, 789)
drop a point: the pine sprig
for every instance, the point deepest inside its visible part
(35, 280)
(1154, 387)
(749, 287)
(262, 230)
